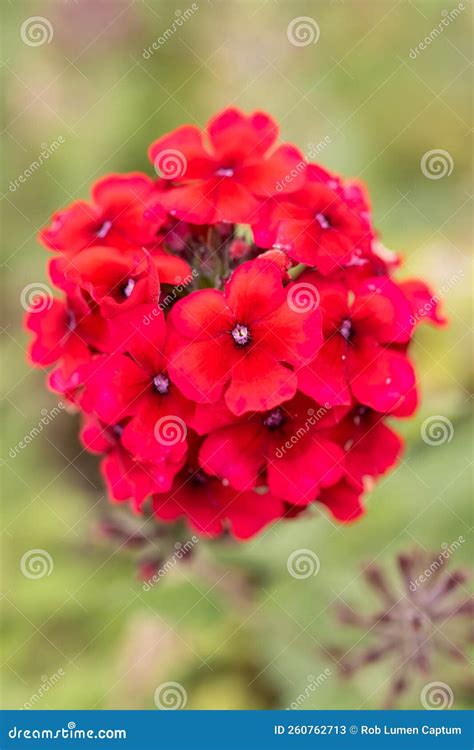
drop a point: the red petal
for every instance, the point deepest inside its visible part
(372, 451)
(343, 502)
(252, 511)
(47, 319)
(202, 315)
(234, 454)
(72, 229)
(381, 308)
(424, 303)
(282, 172)
(259, 383)
(297, 473)
(380, 378)
(181, 156)
(200, 368)
(235, 135)
(290, 335)
(324, 378)
(254, 290)
(172, 269)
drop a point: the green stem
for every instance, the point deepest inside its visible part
(296, 271)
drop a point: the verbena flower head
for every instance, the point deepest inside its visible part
(231, 332)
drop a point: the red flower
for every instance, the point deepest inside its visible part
(249, 388)
(114, 218)
(126, 477)
(370, 447)
(362, 356)
(115, 281)
(118, 282)
(285, 442)
(246, 335)
(318, 226)
(343, 501)
(226, 173)
(64, 333)
(134, 382)
(210, 507)
(424, 303)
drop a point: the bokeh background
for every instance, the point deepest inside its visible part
(232, 626)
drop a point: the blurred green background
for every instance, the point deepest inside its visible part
(378, 111)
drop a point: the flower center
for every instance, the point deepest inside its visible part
(198, 477)
(71, 321)
(225, 172)
(241, 334)
(116, 430)
(104, 230)
(273, 419)
(161, 383)
(346, 329)
(359, 414)
(323, 221)
(128, 288)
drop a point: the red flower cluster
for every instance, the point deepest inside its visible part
(231, 331)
